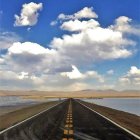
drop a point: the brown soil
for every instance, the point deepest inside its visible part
(127, 120)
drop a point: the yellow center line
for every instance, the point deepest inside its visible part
(68, 131)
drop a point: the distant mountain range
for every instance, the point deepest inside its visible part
(110, 90)
(87, 93)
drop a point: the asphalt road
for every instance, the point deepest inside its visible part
(68, 120)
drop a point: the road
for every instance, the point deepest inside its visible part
(69, 120)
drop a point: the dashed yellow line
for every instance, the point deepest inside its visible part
(68, 130)
(67, 139)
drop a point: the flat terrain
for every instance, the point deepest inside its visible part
(7, 109)
(77, 94)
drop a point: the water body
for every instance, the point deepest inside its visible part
(131, 105)
(14, 101)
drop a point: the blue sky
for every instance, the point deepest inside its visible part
(94, 45)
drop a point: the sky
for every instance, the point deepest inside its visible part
(69, 45)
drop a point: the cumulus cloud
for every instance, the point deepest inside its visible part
(13, 80)
(77, 25)
(86, 12)
(93, 45)
(34, 58)
(29, 57)
(132, 78)
(23, 80)
(123, 24)
(28, 47)
(23, 75)
(76, 74)
(89, 42)
(60, 65)
(29, 14)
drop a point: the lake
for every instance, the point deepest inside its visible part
(11, 103)
(14, 101)
(17, 100)
(131, 105)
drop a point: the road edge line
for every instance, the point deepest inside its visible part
(21, 122)
(118, 125)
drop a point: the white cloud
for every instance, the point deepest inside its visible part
(134, 71)
(132, 78)
(86, 12)
(77, 25)
(92, 45)
(28, 47)
(28, 64)
(29, 14)
(29, 57)
(75, 74)
(13, 80)
(33, 58)
(23, 75)
(123, 24)
(89, 42)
